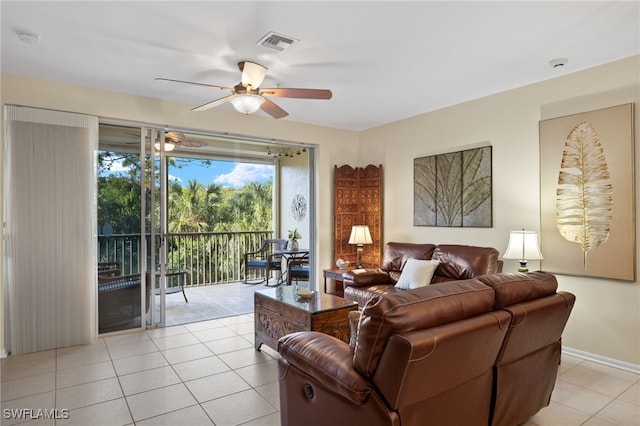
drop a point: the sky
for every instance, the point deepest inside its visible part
(225, 173)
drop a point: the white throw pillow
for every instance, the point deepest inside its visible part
(416, 273)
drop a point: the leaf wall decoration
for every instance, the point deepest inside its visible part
(425, 188)
(449, 189)
(476, 184)
(453, 189)
(584, 197)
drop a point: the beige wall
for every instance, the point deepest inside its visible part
(606, 318)
(333, 146)
(294, 176)
(605, 321)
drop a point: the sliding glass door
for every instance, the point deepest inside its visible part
(131, 228)
(177, 210)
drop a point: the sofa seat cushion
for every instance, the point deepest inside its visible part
(421, 308)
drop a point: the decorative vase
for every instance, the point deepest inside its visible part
(342, 264)
(292, 245)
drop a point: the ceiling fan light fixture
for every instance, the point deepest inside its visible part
(252, 74)
(247, 103)
(168, 146)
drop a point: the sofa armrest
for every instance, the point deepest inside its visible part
(328, 360)
(365, 277)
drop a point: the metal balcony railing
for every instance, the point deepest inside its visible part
(211, 257)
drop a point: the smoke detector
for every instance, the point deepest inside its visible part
(558, 62)
(276, 41)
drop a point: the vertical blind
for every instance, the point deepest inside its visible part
(50, 233)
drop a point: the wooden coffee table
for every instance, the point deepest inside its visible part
(280, 311)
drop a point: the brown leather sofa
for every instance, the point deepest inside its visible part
(482, 351)
(457, 262)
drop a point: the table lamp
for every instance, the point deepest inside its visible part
(360, 235)
(523, 245)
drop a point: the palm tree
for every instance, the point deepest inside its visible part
(188, 207)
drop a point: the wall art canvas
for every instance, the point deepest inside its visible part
(453, 189)
(587, 194)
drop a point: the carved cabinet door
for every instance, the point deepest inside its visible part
(358, 201)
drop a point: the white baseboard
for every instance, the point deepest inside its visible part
(622, 365)
(3, 353)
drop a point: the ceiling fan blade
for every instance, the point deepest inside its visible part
(192, 142)
(194, 83)
(297, 93)
(272, 109)
(212, 104)
(252, 74)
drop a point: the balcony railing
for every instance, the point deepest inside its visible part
(211, 257)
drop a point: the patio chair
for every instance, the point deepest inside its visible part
(264, 260)
(298, 269)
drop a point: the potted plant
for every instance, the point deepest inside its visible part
(293, 236)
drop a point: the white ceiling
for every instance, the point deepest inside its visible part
(384, 61)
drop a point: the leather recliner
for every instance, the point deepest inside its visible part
(532, 348)
(452, 353)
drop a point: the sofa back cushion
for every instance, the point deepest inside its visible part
(461, 262)
(416, 309)
(395, 255)
(520, 287)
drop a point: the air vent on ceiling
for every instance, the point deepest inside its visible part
(276, 41)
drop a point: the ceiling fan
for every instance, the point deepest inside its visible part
(171, 139)
(247, 96)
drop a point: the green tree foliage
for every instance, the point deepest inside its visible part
(193, 207)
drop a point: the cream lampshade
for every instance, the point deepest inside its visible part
(360, 235)
(523, 245)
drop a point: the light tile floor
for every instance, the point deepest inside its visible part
(208, 373)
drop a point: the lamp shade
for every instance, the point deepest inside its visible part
(523, 245)
(247, 103)
(360, 234)
(253, 74)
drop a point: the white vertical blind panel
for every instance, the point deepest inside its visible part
(51, 228)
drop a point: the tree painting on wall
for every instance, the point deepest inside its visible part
(587, 197)
(453, 189)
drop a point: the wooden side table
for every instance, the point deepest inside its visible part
(335, 275)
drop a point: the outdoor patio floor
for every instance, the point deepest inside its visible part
(210, 302)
